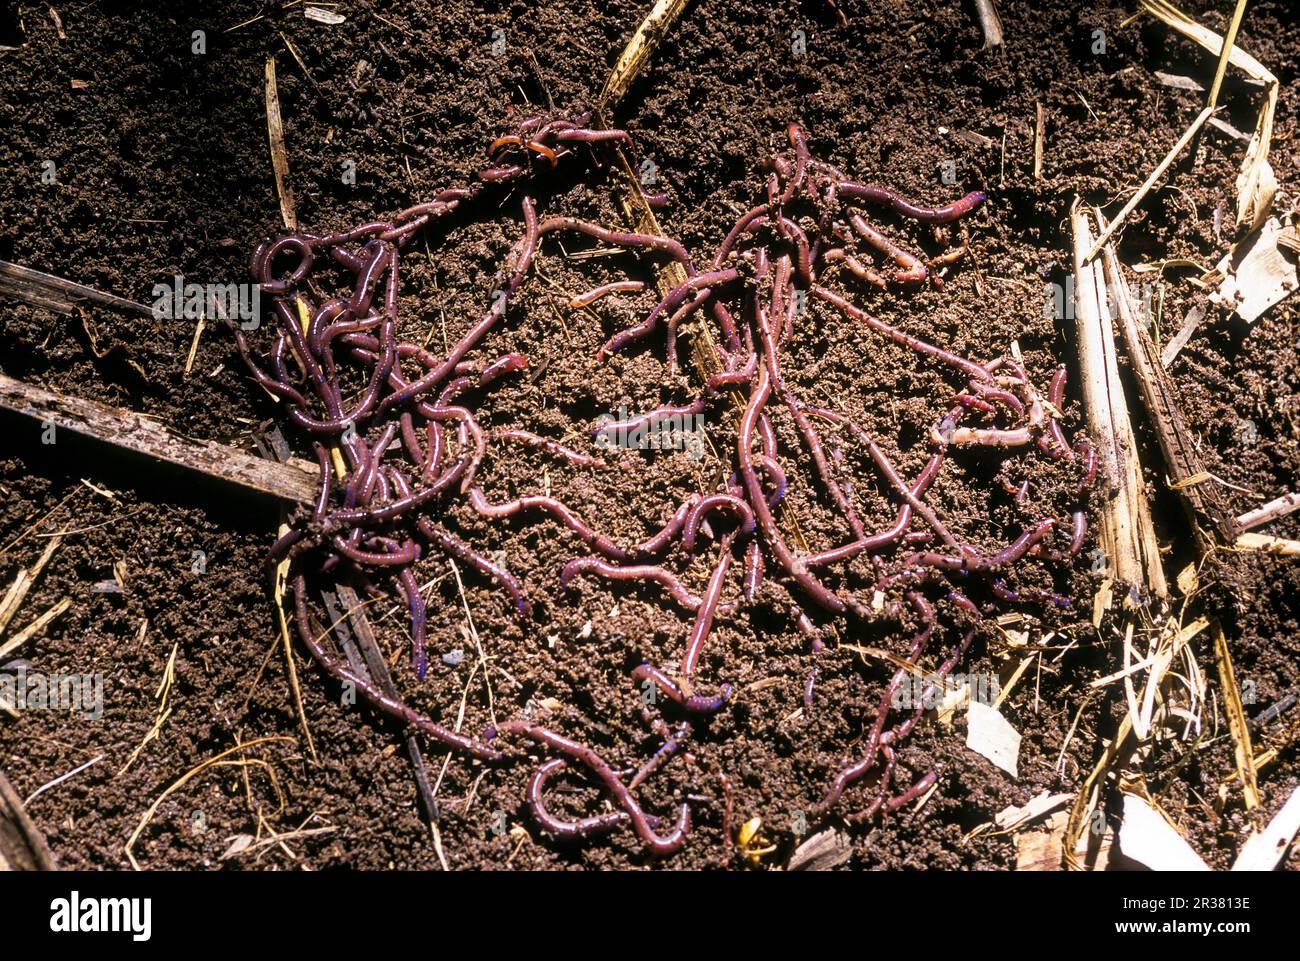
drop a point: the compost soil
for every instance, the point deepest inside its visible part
(160, 168)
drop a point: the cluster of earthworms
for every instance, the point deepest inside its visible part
(394, 431)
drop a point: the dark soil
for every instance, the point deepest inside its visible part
(162, 168)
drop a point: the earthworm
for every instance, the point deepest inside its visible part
(561, 828)
(549, 505)
(632, 572)
(969, 560)
(708, 607)
(670, 747)
(665, 844)
(927, 215)
(911, 270)
(970, 368)
(714, 502)
(454, 546)
(530, 439)
(691, 703)
(392, 706)
(1089, 454)
(753, 575)
(595, 294)
(388, 408)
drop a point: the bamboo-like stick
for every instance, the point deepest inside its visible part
(22, 846)
(55, 293)
(1250, 541)
(1126, 531)
(1267, 513)
(1203, 502)
(990, 22)
(1225, 54)
(279, 156)
(1040, 125)
(295, 480)
(1156, 174)
(639, 50)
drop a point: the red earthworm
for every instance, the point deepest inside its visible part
(891, 474)
(649, 242)
(949, 257)
(879, 736)
(660, 757)
(561, 828)
(741, 227)
(361, 484)
(660, 542)
(505, 364)
(856, 267)
(989, 437)
(457, 548)
(495, 175)
(810, 437)
(762, 514)
(1004, 397)
(968, 560)
(911, 270)
(670, 302)
(753, 575)
(415, 601)
(398, 480)
(882, 794)
(711, 503)
(579, 135)
(595, 294)
(936, 215)
(546, 152)
(674, 322)
(807, 628)
(386, 512)
(732, 378)
(631, 572)
(391, 706)
(549, 505)
(800, 163)
(690, 703)
(1089, 454)
(906, 340)
(402, 557)
(528, 247)
(974, 403)
(530, 439)
(611, 431)
(1003, 593)
(1056, 393)
(777, 475)
(661, 845)
(1079, 531)
(887, 537)
(708, 607)
(916, 790)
